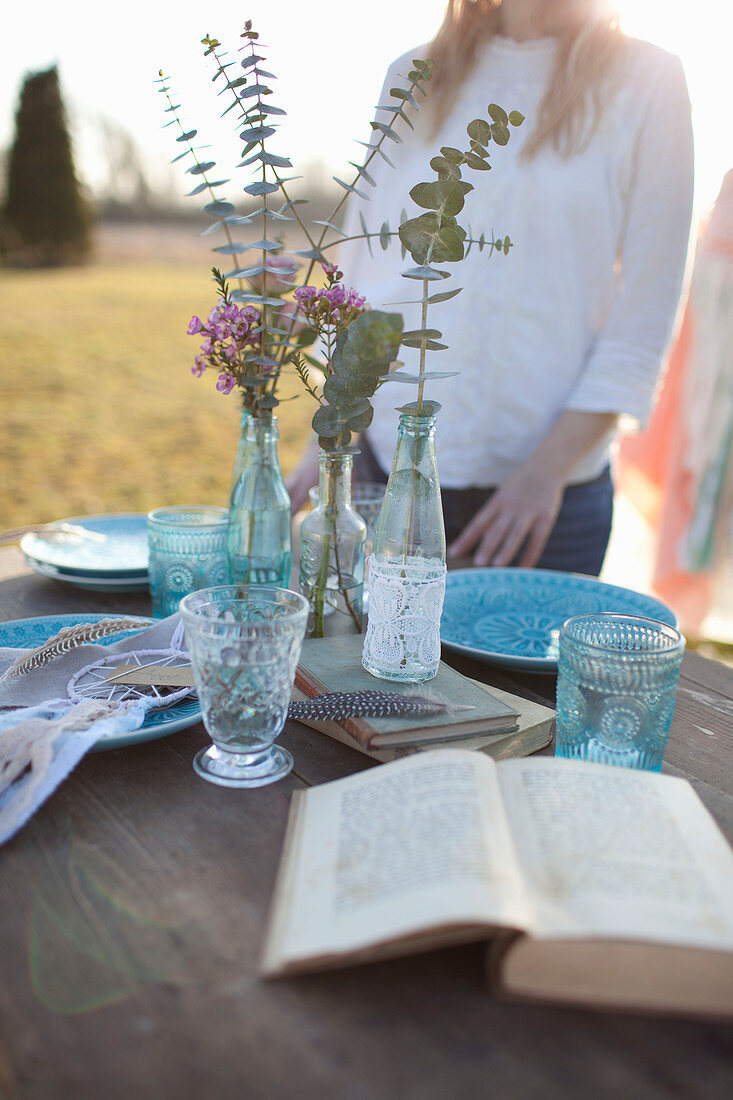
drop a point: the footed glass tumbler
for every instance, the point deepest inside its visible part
(245, 643)
(616, 689)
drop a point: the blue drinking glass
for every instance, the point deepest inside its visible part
(187, 550)
(616, 689)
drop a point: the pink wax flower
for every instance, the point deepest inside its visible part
(194, 326)
(198, 367)
(225, 383)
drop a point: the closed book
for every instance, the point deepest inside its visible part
(534, 732)
(334, 664)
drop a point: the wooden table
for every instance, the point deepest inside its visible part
(132, 908)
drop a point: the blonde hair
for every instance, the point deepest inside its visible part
(589, 47)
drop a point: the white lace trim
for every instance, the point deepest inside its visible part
(405, 604)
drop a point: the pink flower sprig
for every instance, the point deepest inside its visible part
(231, 340)
(331, 308)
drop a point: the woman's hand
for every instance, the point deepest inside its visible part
(522, 512)
(519, 516)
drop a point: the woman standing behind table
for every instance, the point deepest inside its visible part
(565, 334)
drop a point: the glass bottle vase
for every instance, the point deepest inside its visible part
(259, 532)
(332, 552)
(407, 568)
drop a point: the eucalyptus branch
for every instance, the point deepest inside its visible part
(200, 168)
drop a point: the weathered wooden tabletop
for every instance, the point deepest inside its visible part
(132, 908)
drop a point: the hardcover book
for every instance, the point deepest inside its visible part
(334, 664)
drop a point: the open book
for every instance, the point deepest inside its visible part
(597, 885)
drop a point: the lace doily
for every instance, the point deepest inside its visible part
(405, 603)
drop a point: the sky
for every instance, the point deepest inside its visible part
(330, 57)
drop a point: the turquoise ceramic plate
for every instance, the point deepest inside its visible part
(28, 633)
(512, 617)
(98, 546)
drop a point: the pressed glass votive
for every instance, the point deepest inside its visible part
(245, 643)
(187, 550)
(616, 689)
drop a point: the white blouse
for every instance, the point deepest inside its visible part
(579, 313)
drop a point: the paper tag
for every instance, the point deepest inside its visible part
(160, 675)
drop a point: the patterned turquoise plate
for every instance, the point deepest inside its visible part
(512, 617)
(28, 633)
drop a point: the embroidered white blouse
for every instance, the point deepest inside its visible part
(579, 313)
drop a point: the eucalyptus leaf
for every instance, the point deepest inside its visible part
(443, 195)
(257, 133)
(443, 296)
(254, 89)
(261, 187)
(361, 422)
(426, 238)
(498, 114)
(199, 169)
(447, 168)
(500, 134)
(387, 131)
(275, 162)
(428, 408)
(218, 208)
(187, 136)
(268, 401)
(327, 421)
(479, 130)
(477, 163)
(424, 271)
(516, 118)
(251, 60)
(384, 236)
(270, 109)
(350, 187)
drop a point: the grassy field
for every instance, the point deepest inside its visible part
(99, 411)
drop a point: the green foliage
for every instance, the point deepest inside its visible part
(44, 220)
(436, 237)
(362, 355)
(261, 284)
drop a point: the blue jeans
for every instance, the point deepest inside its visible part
(577, 542)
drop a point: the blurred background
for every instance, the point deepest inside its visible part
(99, 410)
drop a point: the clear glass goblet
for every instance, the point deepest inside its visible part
(245, 643)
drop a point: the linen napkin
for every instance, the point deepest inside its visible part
(44, 733)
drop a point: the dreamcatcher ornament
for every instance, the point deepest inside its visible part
(99, 680)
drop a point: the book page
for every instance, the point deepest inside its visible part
(620, 853)
(407, 847)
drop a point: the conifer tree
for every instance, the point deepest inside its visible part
(44, 219)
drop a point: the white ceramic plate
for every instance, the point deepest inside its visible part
(111, 583)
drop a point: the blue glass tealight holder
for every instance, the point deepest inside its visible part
(616, 689)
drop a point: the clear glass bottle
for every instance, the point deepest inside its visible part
(259, 532)
(332, 552)
(407, 568)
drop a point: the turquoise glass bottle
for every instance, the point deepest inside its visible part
(259, 532)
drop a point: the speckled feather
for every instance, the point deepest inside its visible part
(67, 639)
(372, 703)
